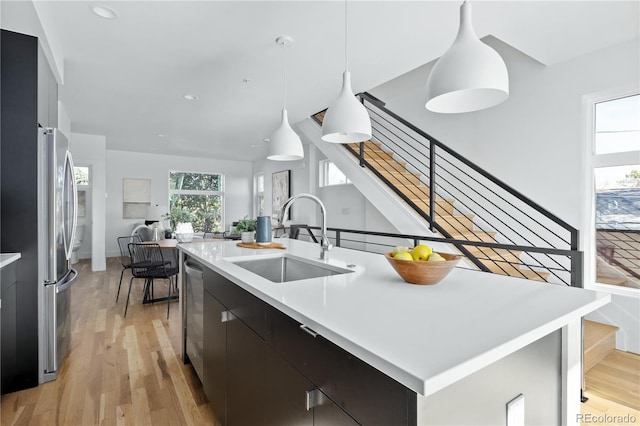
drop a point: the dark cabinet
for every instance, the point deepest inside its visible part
(368, 395)
(327, 413)
(246, 387)
(19, 200)
(8, 354)
(262, 368)
(214, 378)
(287, 400)
(47, 93)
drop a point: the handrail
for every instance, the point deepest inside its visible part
(576, 279)
(475, 167)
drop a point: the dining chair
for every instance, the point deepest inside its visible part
(149, 263)
(125, 257)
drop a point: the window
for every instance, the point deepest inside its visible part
(198, 198)
(330, 174)
(258, 190)
(82, 175)
(616, 177)
(617, 125)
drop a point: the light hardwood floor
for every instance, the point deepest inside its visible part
(120, 371)
(126, 371)
(613, 389)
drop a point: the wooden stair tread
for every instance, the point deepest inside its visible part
(503, 268)
(389, 165)
(599, 340)
(616, 378)
(372, 152)
(595, 332)
(495, 253)
(486, 236)
(443, 207)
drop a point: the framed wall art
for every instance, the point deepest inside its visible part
(280, 192)
(136, 196)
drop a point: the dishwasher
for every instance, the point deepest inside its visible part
(194, 307)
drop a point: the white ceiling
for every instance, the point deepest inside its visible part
(125, 78)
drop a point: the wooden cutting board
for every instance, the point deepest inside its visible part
(255, 245)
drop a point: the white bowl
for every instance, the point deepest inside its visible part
(184, 237)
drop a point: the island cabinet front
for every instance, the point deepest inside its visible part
(262, 368)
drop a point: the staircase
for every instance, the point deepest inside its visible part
(458, 226)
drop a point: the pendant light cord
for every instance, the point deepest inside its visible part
(346, 65)
(284, 82)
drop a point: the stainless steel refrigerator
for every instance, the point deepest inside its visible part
(57, 221)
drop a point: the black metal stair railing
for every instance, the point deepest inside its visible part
(463, 202)
(383, 242)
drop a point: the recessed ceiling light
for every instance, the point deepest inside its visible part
(253, 145)
(162, 135)
(190, 97)
(104, 12)
(266, 140)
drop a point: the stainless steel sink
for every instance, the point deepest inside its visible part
(287, 268)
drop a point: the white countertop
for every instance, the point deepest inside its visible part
(425, 337)
(8, 258)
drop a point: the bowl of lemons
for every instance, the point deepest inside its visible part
(421, 265)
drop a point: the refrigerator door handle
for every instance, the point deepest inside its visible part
(68, 282)
(69, 177)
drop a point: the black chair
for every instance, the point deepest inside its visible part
(125, 257)
(149, 263)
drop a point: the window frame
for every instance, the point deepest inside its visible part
(592, 162)
(258, 195)
(323, 173)
(199, 192)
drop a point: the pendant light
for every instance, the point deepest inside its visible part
(347, 119)
(470, 76)
(284, 143)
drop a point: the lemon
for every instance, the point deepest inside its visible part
(403, 255)
(421, 252)
(435, 257)
(399, 249)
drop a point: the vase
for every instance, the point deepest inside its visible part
(263, 231)
(247, 237)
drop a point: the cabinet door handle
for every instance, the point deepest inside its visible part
(313, 399)
(226, 316)
(308, 330)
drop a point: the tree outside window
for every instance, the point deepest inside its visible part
(82, 175)
(198, 197)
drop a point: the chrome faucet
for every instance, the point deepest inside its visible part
(324, 241)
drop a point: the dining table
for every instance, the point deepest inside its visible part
(165, 245)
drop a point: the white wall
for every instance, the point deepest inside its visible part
(301, 182)
(534, 141)
(123, 164)
(346, 206)
(90, 150)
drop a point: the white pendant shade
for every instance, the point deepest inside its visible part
(347, 119)
(285, 144)
(470, 76)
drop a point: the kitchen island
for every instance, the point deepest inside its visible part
(455, 352)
